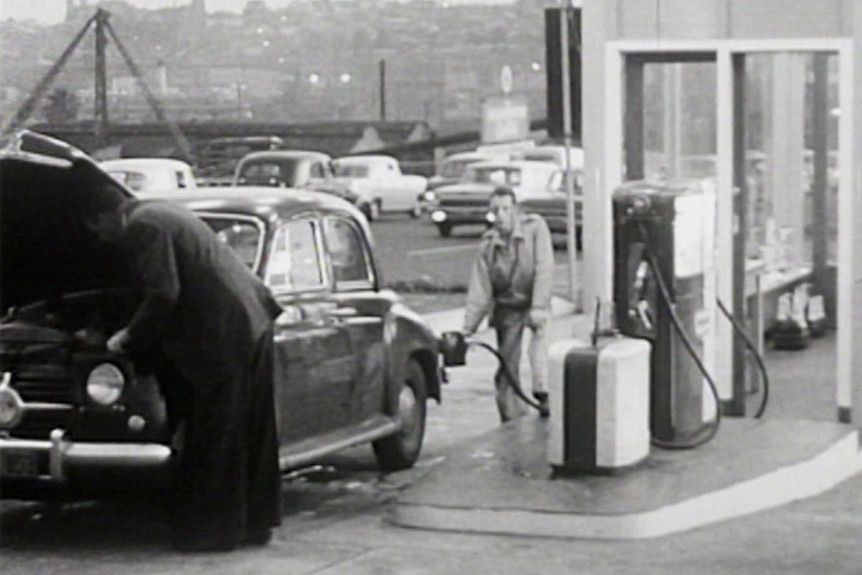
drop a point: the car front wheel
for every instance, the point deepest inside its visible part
(445, 229)
(401, 450)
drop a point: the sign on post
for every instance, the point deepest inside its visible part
(505, 118)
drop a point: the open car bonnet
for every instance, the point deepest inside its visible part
(46, 251)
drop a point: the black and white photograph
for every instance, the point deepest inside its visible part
(330, 287)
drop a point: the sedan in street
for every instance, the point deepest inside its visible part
(151, 174)
(354, 364)
(538, 185)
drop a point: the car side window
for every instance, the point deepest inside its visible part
(294, 261)
(261, 174)
(348, 253)
(317, 170)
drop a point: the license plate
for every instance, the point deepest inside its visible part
(19, 465)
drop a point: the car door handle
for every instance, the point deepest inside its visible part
(290, 315)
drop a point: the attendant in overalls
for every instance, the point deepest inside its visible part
(511, 283)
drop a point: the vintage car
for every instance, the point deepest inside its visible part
(552, 207)
(151, 174)
(450, 171)
(298, 169)
(379, 179)
(217, 157)
(571, 157)
(538, 185)
(452, 168)
(353, 363)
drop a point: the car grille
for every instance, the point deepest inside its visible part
(40, 383)
(468, 202)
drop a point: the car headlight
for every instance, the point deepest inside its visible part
(490, 217)
(429, 196)
(11, 404)
(105, 383)
(438, 216)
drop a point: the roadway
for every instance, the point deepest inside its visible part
(411, 252)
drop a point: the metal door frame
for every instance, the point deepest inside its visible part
(725, 53)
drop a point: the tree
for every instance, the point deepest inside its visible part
(61, 107)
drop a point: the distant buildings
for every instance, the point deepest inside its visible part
(315, 60)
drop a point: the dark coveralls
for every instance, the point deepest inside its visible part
(210, 319)
(510, 279)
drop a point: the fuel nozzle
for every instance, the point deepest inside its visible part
(453, 348)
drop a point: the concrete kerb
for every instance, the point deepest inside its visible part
(504, 492)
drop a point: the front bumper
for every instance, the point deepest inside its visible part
(58, 457)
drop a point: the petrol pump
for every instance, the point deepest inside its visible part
(664, 292)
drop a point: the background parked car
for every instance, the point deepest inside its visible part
(217, 158)
(143, 174)
(452, 168)
(450, 171)
(552, 207)
(536, 184)
(379, 179)
(299, 169)
(353, 363)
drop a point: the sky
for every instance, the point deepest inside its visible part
(54, 11)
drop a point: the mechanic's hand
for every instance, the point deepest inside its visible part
(118, 341)
(537, 318)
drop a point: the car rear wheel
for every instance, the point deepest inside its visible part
(445, 229)
(401, 450)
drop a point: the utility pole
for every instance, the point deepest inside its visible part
(570, 20)
(101, 100)
(382, 68)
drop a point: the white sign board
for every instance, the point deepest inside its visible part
(505, 119)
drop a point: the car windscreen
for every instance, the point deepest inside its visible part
(268, 173)
(495, 175)
(243, 234)
(135, 181)
(455, 168)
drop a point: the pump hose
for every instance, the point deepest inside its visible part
(750, 345)
(699, 438)
(513, 382)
